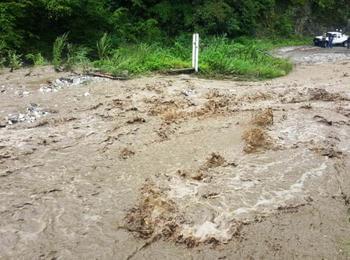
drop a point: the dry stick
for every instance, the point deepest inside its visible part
(146, 244)
(103, 75)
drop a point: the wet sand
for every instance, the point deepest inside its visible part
(175, 167)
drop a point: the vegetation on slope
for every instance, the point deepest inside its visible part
(140, 36)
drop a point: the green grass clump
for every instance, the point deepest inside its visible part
(141, 59)
(37, 59)
(104, 46)
(222, 57)
(219, 57)
(14, 60)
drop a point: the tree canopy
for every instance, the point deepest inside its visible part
(33, 24)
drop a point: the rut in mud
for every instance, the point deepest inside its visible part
(175, 166)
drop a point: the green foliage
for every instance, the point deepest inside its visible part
(77, 57)
(30, 26)
(140, 59)
(37, 59)
(219, 57)
(250, 60)
(141, 27)
(14, 60)
(104, 45)
(57, 52)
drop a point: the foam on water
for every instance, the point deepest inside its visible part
(244, 192)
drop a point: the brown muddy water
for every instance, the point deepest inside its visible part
(175, 167)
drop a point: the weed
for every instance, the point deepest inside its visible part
(14, 60)
(77, 56)
(37, 59)
(104, 46)
(58, 47)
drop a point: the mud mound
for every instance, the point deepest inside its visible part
(255, 139)
(263, 118)
(173, 116)
(215, 160)
(154, 216)
(323, 95)
(213, 107)
(258, 96)
(159, 107)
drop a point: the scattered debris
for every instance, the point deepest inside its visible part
(136, 120)
(34, 111)
(69, 81)
(126, 153)
(307, 106)
(215, 160)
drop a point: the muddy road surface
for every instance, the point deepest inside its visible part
(175, 167)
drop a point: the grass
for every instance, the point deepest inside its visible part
(219, 57)
(244, 58)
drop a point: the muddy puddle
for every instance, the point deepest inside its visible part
(175, 167)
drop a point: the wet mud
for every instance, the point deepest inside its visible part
(175, 167)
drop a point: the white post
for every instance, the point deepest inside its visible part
(195, 52)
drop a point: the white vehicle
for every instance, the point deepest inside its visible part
(339, 38)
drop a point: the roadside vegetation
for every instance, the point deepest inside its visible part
(140, 36)
(219, 57)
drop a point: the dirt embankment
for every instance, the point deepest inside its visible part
(175, 167)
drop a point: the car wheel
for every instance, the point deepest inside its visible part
(345, 44)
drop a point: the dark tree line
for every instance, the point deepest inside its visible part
(34, 24)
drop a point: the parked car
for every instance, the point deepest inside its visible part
(339, 38)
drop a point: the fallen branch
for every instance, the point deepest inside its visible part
(107, 76)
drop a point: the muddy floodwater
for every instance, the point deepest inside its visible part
(177, 167)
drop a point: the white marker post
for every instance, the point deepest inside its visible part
(195, 52)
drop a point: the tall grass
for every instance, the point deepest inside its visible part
(104, 46)
(14, 60)
(58, 47)
(36, 58)
(219, 57)
(140, 59)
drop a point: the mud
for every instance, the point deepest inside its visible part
(156, 168)
(314, 55)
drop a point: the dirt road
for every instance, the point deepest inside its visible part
(175, 167)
